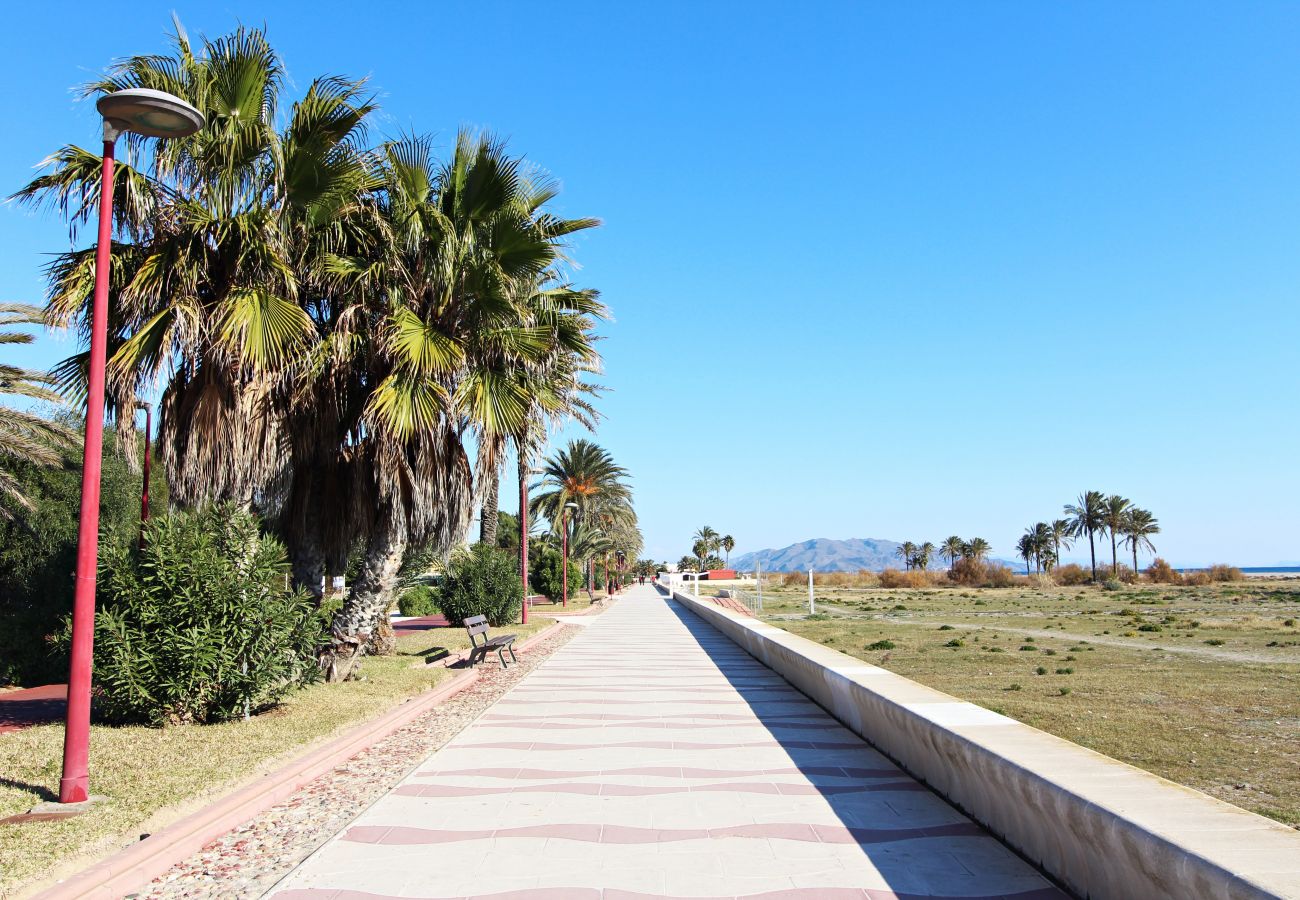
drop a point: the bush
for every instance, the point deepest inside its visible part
(421, 600)
(200, 623)
(482, 581)
(38, 553)
(882, 645)
(1072, 574)
(546, 575)
(1220, 572)
(1112, 584)
(1162, 573)
(1196, 579)
(999, 577)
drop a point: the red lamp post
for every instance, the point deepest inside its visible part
(152, 114)
(523, 535)
(564, 533)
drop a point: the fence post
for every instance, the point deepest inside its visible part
(812, 604)
(758, 578)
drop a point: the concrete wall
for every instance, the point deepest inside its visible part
(1102, 828)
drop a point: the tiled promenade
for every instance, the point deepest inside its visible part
(651, 757)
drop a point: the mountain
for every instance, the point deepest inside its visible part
(826, 555)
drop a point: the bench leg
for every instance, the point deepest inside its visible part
(502, 655)
(512, 653)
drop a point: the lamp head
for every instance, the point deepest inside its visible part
(148, 112)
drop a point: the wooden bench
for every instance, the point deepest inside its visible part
(477, 626)
(534, 599)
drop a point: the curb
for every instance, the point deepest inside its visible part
(134, 867)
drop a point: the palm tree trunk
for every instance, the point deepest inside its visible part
(487, 524)
(356, 625)
(1135, 560)
(1114, 557)
(1092, 549)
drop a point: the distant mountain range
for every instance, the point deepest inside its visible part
(826, 555)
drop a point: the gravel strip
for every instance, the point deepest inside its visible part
(247, 862)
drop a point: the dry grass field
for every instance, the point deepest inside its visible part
(1198, 684)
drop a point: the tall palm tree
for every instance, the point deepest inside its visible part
(727, 543)
(1044, 553)
(24, 435)
(976, 549)
(1116, 510)
(923, 554)
(1060, 529)
(1138, 528)
(712, 539)
(1087, 517)
(906, 551)
(952, 549)
(1025, 547)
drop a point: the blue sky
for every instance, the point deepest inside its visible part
(877, 270)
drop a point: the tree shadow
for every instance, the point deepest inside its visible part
(38, 790)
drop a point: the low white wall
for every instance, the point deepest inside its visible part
(1102, 828)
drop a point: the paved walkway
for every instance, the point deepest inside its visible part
(651, 757)
(32, 706)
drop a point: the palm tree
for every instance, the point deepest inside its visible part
(728, 543)
(1138, 528)
(923, 554)
(906, 551)
(1114, 517)
(1060, 529)
(25, 436)
(976, 549)
(1041, 537)
(1025, 547)
(1087, 516)
(952, 548)
(711, 539)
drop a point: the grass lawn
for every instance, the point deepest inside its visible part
(1198, 684)
(155, 775)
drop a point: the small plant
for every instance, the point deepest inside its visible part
(955, 642)
(1289, 623)
(1064, 691)
(884, 644)
(995, 650)
(1112, 584)
(1049, 652)
(1071, 658)
(420, 600)
(945, 628)
(1065, 671)
(1028, 647)
(1214, 642)
(1014, 686)
(1041, 670)
(1150, 626)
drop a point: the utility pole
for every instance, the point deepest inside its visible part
(812, 604)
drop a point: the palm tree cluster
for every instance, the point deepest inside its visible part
(706, 544)
(345, 333)
(1096, 514)
(917, 556)
(604, 525)
(25, 437)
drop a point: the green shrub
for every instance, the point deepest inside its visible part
(1064, 691)
(1041, 670)
(420, 600)
(1214, 642)
(546, 574)
(199, 623)
(955, 642)
(38, 553)
(1112, 584)
(1150, 626)
(882, 645)
(482, 581)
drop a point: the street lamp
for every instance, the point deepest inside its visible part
(151, 114)
(569, 509)
(523, 535)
